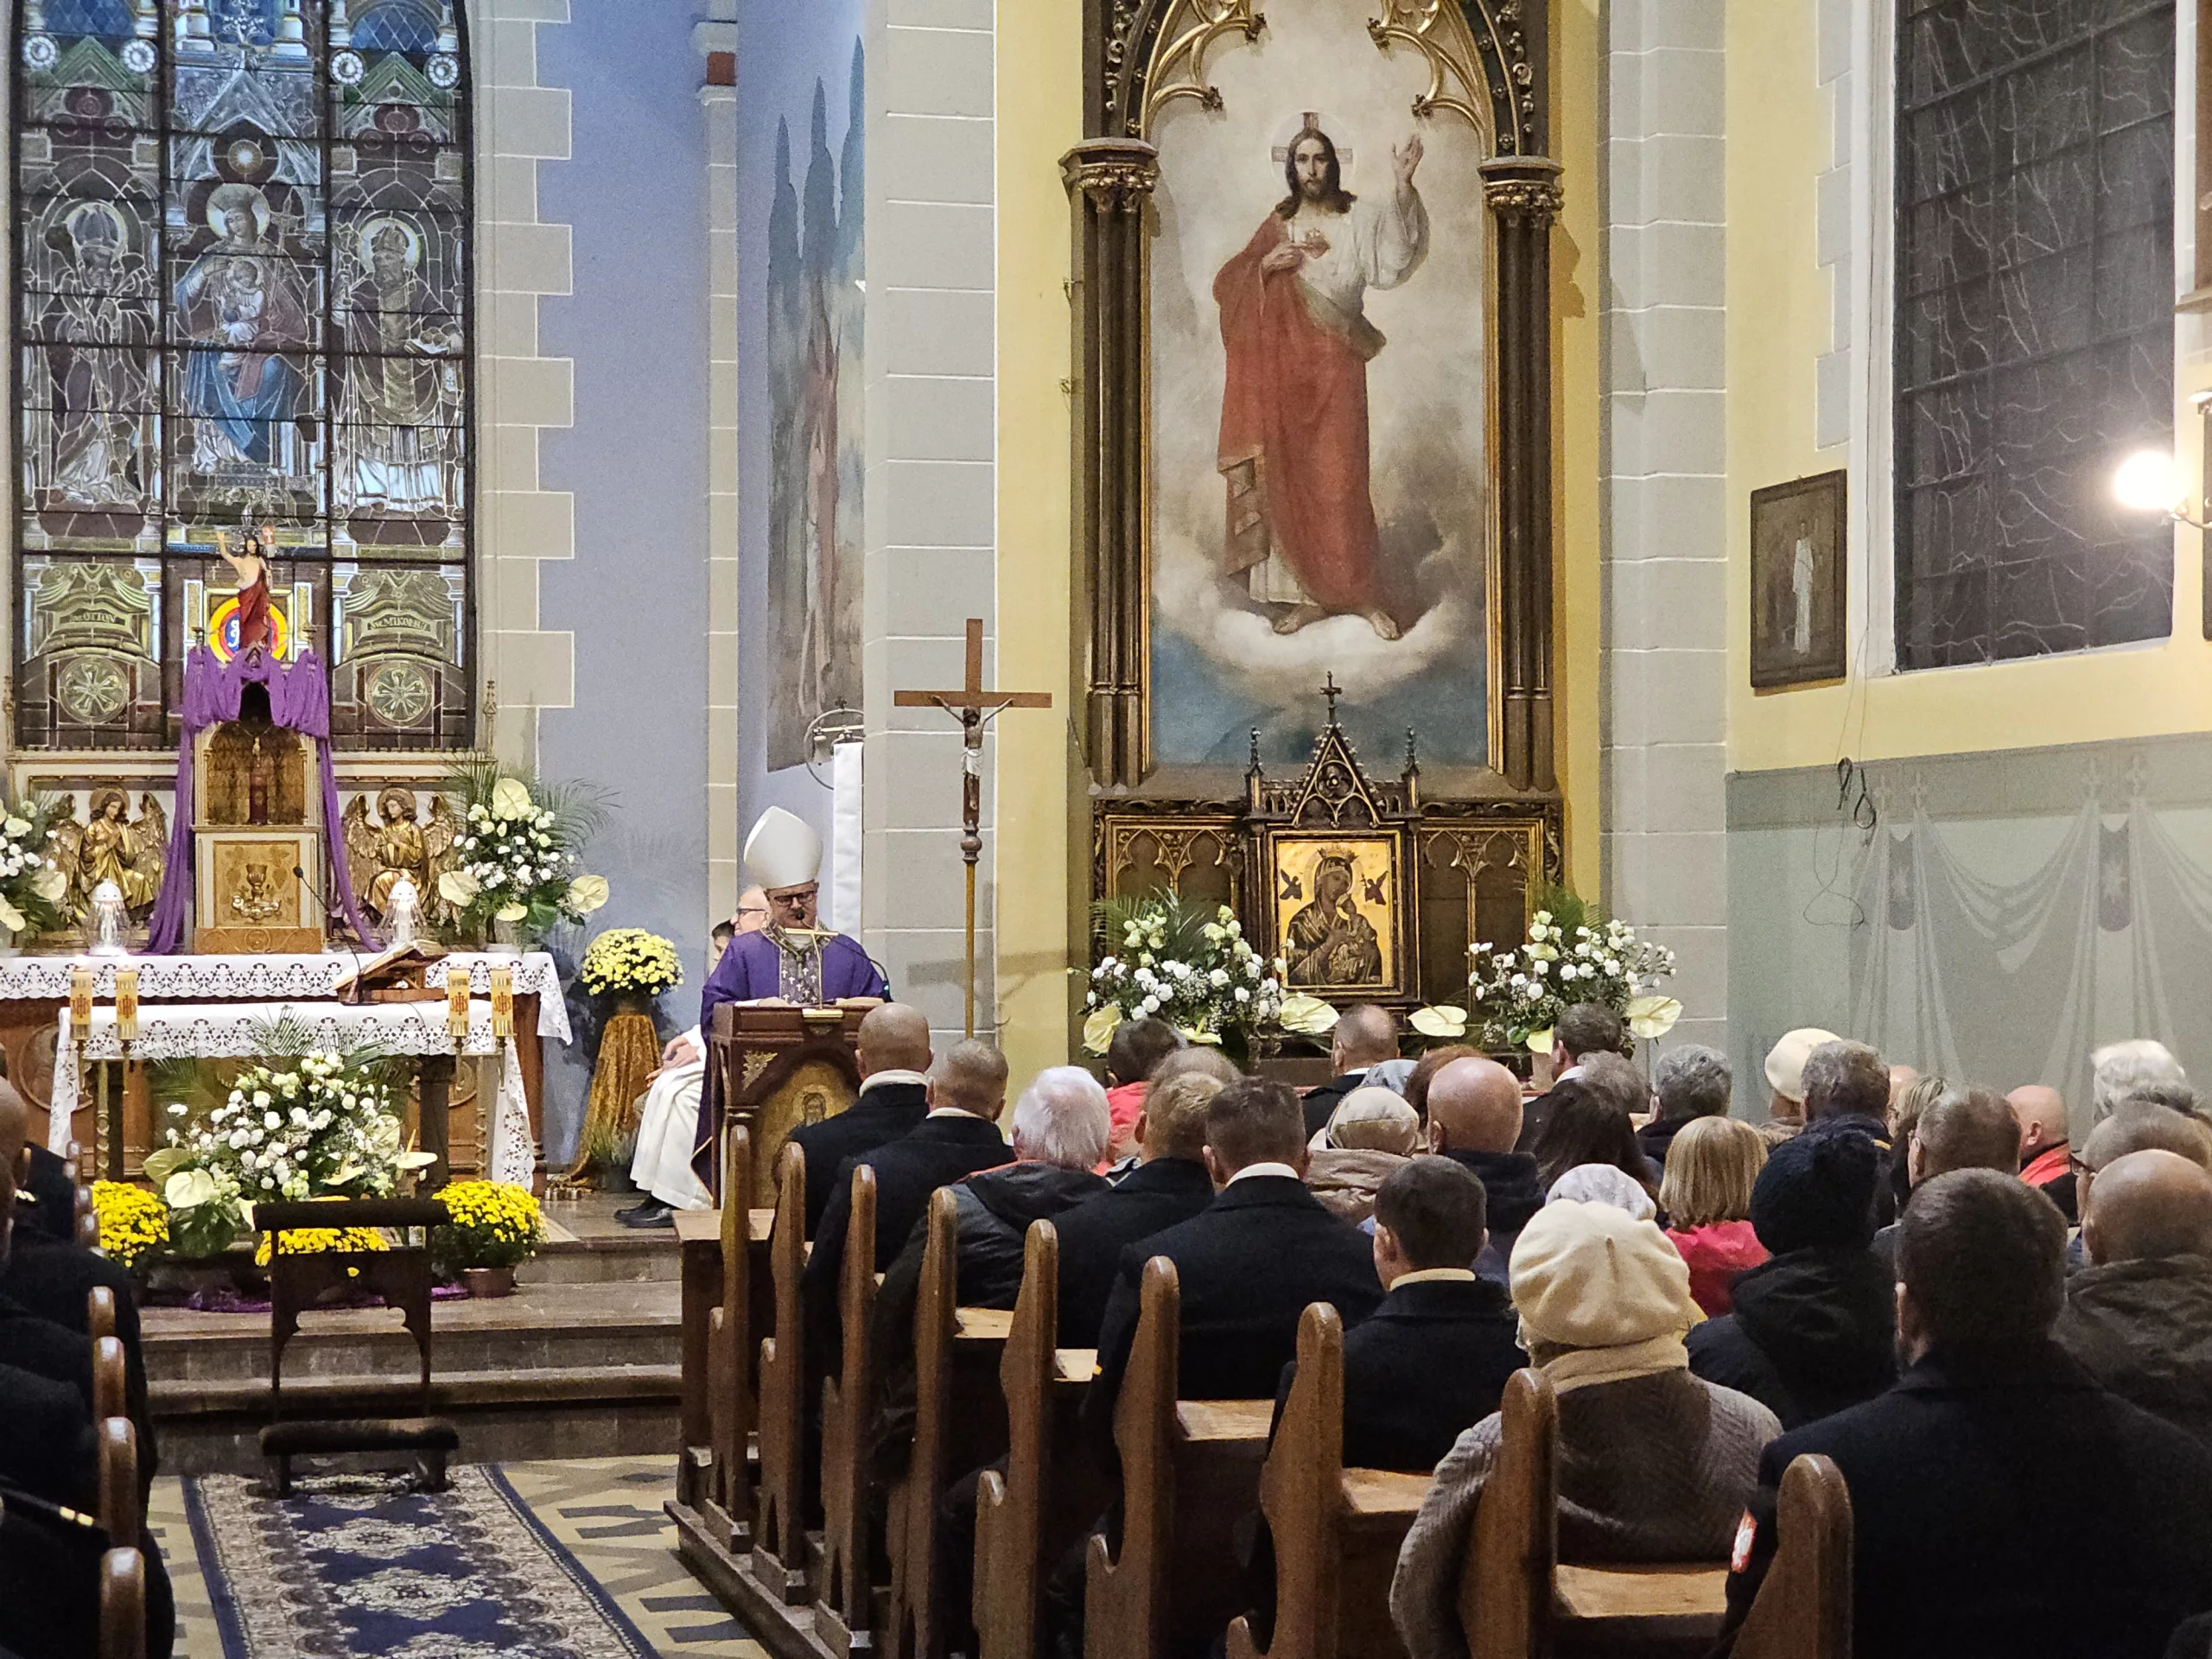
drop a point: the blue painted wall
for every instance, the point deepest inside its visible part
(635, 595)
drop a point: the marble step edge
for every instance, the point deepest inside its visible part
(611, 1323)
(449, 1390)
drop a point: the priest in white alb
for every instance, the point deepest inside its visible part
(669, 1126)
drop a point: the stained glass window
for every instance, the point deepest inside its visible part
(2034, 333)
(242, 289)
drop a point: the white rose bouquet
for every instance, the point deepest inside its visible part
(1572, 955)
(1189, 966)
(516, 854)
(309, 1126)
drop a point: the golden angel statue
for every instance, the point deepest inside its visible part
(112, 847)
(395, 843)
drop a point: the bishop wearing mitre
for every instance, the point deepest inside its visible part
(791, 960)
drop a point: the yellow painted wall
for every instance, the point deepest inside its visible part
(1043, 841)
(1043, 848)
(1778, 324)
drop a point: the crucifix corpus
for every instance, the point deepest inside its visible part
(974, 709)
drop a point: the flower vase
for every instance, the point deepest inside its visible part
(507, 939)
(486, 1282)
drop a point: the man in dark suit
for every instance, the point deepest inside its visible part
(1583, 1029)
(960, 1135)
(894, 1061)
(1431, 1361)
(1246, 1264)
(1170, 1184)
(1992, 1444)
(1474, 1119)
(1364, 1037)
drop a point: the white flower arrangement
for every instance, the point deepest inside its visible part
(517, 859)
(1571, 955)
(309, 1126)
(32, 884)
(1193, 967)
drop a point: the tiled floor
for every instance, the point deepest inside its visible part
(605, 1511)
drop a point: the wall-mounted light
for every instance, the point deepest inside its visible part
(2149, 480)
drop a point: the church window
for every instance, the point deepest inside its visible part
(2034, 337)
(243, 269)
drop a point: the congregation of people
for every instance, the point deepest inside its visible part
(2000, 1338)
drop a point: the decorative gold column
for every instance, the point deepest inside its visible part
(1524, 197)
(1110, 181)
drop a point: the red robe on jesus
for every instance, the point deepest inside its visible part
(1293, 429)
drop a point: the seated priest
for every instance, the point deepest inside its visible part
(668, 1127)
(791, 960)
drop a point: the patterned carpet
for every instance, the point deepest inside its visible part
(541, 1561)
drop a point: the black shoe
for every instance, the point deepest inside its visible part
(645, 1208)
(648, 1215)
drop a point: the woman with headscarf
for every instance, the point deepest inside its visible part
(1654, 1465)
(1372, 1132)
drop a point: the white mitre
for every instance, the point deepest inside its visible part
(783, 851)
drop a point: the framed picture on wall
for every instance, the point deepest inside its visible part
(1338, 912)
(1797, 582)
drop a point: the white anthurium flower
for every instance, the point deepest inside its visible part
(1309, 1016)
(188, 1189)
(510, 911)
(1098, 1030)
(50, 884)
(1650, 1017)
(1540, 1042)
(588, 893)
(459, 888)
(10, 918)
(1441, 1020)
(415, 1160)
(511, 799)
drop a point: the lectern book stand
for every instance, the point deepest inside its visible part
(774, 1070)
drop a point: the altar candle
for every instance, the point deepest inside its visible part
(80, 1004)
(503, 1002)
(127, 1004)
(457, 1004)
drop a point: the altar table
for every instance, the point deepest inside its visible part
(234, 1031)
(33, 988)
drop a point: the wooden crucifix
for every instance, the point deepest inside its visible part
(974, 709)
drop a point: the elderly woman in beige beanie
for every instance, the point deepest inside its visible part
(1371, 1134)
(1654, 1464)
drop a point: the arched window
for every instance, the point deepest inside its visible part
(241, 304)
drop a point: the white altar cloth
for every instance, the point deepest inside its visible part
(273, 978)
(233, 1030)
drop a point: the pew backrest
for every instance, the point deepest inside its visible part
(1803, 1607)
(117, 1447)
(1126, 1595)
(779, 1519)
(917, 1623)
(1010, 1507)
(730, 1356)
(1505, 1585)
(1299, 1495)
(99, 1312)
(844, 1595)
(123, 1604)
(108, 1378)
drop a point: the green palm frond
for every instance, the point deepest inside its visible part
(1184, 922)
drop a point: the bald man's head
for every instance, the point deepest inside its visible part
(1364, 1036)
(2042, 1114)
(895, 1038)
(1474, 1105)
(2148, 1206)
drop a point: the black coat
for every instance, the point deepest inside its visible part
(1149, 1199)
(936, 1153)
(1534, 1112)
(46, 1439)
(1321, 1104)
(1812, 1331)
(1424, 1367)
(1657, 1136)
(1512, 1192)
(886, 1112)
(1964, 1478)
(50, 1279)
(47, 1201)
(1247, 1265)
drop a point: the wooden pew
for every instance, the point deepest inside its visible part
(843, 1606)
(779, 1522)
(99, 1312)
(1010, 1507)
(1189, 1472)
(916, 1629)
(1803, 1607)
(109, 1396)
(1517, 1599)
(123, 1604)
(1336, 1531)
(729, 1367)
(702, 1256)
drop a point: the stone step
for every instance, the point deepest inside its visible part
(634, 1258)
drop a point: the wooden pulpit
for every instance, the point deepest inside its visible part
(774, 1070)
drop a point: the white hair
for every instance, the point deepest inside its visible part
(1062, 1118)
(2121, 1069)
(1603, 1184)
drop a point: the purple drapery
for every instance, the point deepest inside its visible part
(299, 701)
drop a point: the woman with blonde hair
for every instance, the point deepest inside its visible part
(1706, 1193)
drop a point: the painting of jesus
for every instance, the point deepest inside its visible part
(1294, 439)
